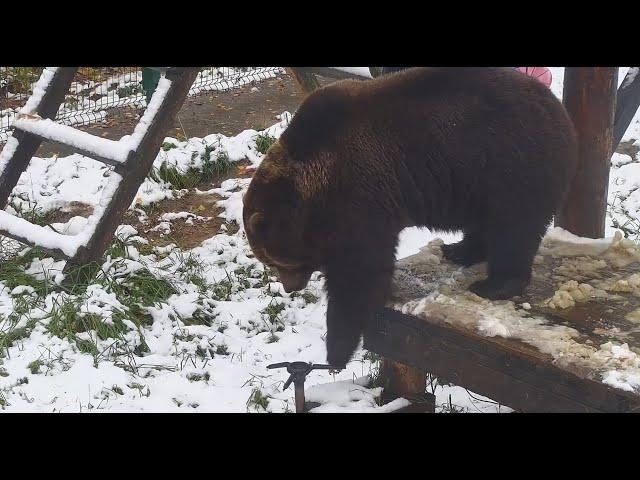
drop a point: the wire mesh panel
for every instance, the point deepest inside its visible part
(97, 91)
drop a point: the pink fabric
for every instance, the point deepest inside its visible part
(542, 74)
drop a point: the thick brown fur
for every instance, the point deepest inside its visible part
(486, 151)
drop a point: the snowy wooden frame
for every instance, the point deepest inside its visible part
(132, 157)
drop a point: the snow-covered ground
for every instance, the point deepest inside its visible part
(167, 329)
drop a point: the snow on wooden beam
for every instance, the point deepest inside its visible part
(628, 102)
(107, 151)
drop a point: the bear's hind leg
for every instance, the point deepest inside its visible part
(469, 251)
(510, 258)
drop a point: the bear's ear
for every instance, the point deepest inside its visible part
(257, 226)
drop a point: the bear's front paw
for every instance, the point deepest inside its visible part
(499, 288)
(338, 358)
(340, 350)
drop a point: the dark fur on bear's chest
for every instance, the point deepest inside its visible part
(487, 151)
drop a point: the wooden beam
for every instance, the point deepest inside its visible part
(403, 381)
(491, 367)
(137, 167)
(329, 72)
(376, 71)
(306, 81)
(28, 144)
(627, 105)
(590, 98)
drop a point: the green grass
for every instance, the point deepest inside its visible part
(308, 297)
(12, 275)
(34, 367)
(130, 90)
(222, 290)
(198, 377)
(213, 166)
(272, 338)
(190, 269)
(257, 400)
(9, 337)
(19, 79)
(65, 321)
(135, 291)
(12, 272)
(375, 376)
(222, 349)
(274, 310)
(34, 214)
(140, 287)
(222, 327)
(264, 142)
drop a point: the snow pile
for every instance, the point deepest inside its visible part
(350, 396)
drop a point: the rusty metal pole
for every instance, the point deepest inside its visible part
(590, 98)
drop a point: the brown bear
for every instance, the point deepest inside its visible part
(486, 151)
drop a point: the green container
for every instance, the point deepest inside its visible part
(150, 79)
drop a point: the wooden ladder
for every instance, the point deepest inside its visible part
(132, 159)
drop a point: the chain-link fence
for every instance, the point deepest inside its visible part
(96, 92)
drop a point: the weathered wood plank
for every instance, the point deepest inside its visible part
(527, 353)
(307, 82)
(491, 368)
(590, 99)
(402, 381)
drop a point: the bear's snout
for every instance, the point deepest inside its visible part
(293, 280)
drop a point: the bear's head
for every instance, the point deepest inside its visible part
(276, 219)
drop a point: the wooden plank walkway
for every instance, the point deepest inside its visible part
(562, 347)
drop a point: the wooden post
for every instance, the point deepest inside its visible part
(590, 98)
(305, 80)
(627, 105)
(137, 167)
(28, 144)
(400, 380)
(376, 71)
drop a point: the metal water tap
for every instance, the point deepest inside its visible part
(299, 372)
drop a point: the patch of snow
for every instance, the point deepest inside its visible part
(360, 71)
